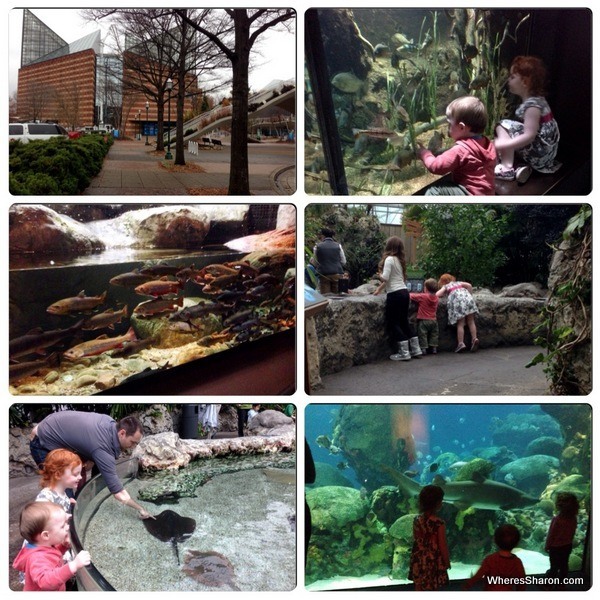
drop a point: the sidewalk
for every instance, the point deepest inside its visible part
(493, 371)
(133, 169)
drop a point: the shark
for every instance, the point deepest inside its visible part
(479, 492)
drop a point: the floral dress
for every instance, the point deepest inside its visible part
(541, 153)
(460, 302)
(427, 565)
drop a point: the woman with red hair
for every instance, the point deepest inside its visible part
(534, 136)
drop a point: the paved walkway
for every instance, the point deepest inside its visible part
(132, 168)
(493, 371)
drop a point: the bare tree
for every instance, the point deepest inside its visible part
(141, 39)
(157, 45)
(33, 102)
(248, 26)
(67, 100)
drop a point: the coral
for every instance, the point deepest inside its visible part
(460, 517)
(477, 465)
(402, 529)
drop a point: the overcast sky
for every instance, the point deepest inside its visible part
(277, 60)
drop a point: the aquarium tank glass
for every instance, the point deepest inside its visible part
(377, 83)
(497, 464)
(102, 295)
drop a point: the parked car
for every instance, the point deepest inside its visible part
(27, 132)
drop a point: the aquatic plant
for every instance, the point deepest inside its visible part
(431, 74)
(493, 94)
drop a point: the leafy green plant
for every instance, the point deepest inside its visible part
(565, 319)
(462, 239)
(56, 166)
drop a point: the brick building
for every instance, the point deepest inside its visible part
(76, 85)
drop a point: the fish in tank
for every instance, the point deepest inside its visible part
(378, 81)
(497, 464)
(103, 294)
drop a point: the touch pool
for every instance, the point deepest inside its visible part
(248, 517)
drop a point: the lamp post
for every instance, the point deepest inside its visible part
(169, 87)
(147, 107)
(139, 118)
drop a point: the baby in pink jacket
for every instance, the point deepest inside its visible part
(46, 525)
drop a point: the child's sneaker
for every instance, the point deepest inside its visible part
(504, 174)
(522, 174)
(460, 347)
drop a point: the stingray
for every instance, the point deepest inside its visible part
(171, 527)
(210, 568)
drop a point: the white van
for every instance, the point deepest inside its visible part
(27, 132)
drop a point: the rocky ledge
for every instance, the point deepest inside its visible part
(352, 330)
(169, 451)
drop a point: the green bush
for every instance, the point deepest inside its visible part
(462, 239)
(57, 166)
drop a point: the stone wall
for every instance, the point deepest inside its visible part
(351, 331)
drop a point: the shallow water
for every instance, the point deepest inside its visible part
(245, 516)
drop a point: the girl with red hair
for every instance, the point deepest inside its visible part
(534, 136)
(61, 471)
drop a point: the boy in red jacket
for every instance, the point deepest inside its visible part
(427, 327)
(46, 525)
(471, 160)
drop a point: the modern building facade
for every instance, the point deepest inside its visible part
(77, 85)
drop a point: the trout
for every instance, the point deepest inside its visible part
(80, 303)
(99, 345)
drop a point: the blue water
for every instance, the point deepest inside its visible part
(456, 428)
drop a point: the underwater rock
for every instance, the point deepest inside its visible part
(477, 465)
(39, 229)
(328, 475)
(387, 502)
(343, 48)
(574, 484)
(499, 455)
(371, 435)
(515, 431)
(550, 446)
(210, 568)
(402, 528)
(166, 487)
(333, 507)
(530, 473)
(575, 422)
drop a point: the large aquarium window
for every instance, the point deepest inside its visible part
(497, 464)
(378, 81)
(126, 292)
